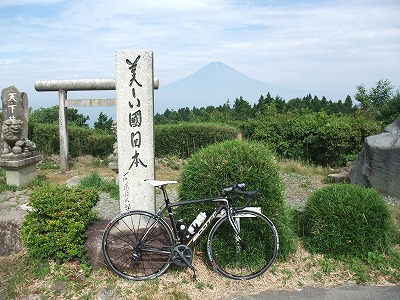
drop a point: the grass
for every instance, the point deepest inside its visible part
(21, 276)
(95, 181)
(299, 168)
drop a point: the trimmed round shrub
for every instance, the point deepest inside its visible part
(346, 219)
(55, 228)
(233, 162)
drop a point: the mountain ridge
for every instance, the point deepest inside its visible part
(215, 84)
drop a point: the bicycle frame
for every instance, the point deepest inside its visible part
(223, 206)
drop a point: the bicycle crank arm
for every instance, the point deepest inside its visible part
(190, 266)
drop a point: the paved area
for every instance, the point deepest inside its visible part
(348, 292)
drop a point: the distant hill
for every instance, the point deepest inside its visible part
(214, 84)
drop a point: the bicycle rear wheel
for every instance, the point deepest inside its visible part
(137, 245)
(248, 260)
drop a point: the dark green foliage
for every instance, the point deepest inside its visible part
(380, 101)
(103, 123)
(50, 115)
(45, 136)
(241, 109)
(82, 140)
(233, 162)
(390, 111)
(184, 139)
(313, 137)
(345, 219)
(181, 140)
(55, 229)
(377, 97)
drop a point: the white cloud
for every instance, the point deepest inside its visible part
(313, 44)
(6, 3)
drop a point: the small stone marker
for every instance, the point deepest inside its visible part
(135, 128)
(15, 107)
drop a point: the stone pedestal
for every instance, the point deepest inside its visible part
(114, 166)
(20, 172)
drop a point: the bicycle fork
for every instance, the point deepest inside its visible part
(235, 223)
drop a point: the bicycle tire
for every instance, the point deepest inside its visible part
(137, 245)
(236, 261)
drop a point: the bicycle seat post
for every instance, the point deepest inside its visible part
(165, 193)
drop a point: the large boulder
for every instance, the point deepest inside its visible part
(93, 243)
(11, 217)
(378, 165)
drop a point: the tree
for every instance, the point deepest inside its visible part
(348, 105)
(103, 123)
(377, 97)
(242, 110)
(391, 111)
(296, 104)
(50, 115)
(382, 93)
(47, 115)
(315, 104)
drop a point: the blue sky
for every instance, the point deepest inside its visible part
(308, 45)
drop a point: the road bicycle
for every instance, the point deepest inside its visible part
(242, 244)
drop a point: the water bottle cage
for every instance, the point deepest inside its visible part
(195, 228)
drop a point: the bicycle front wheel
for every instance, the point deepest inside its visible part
(137, 245)
(245, 260)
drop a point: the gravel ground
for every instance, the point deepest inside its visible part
(297, 190)
(107, 207)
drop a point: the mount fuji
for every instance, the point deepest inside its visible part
(214, 85)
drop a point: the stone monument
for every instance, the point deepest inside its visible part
(18, 154)
(135, 128)
(378, 164)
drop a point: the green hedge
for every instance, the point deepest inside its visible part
(313, 137)
(184, 139)
(181, 140)
(55, 229)
(81, 140)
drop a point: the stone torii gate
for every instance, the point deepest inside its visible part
(134, 85)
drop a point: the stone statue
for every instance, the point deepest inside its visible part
(18, 154)
(14, 145)
(113, 158)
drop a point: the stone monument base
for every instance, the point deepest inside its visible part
(114, 166)
(20, 172)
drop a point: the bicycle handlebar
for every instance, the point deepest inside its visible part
(238, 189)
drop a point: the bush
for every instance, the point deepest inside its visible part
(181, 140)
(345, 219)
(232, 162)
(313, 137)
(55, 229)
(185, 139)
(81, 140)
